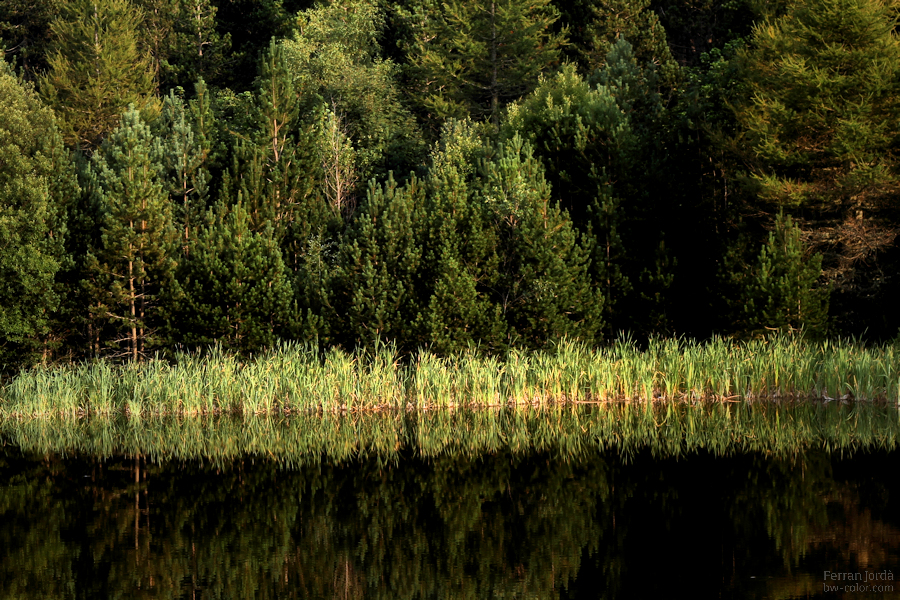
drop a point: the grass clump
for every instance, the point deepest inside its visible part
(301, 378)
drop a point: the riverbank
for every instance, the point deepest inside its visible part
(302, 379)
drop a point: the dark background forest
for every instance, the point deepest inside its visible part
(177, 173)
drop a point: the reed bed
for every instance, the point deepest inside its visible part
(565, 431)
(295, 378)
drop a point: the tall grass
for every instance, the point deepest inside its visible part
(296, 378)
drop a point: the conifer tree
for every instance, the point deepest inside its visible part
(235, 286)
(376, 290)
(36, 181)
(597, 141)
(459, 250)
(585, 142)
(780, 292)
(473, 58)
(542, 284)
(643, 185)
(250, 26)
(25, 32)
(818, 131)
(598, 24)
(131, 269)
(183, 40)
(275, 169)
(97, 68)
(185, 158)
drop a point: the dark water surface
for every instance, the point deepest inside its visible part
(695, 502)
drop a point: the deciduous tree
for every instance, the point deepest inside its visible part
(36, 181)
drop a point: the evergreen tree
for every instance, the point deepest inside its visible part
(36, 180)
(274, 168)
(780, 293)
(184, 42)
(235, 286)
(251, 25)
(542, 283)
(585, 142)
(459, 250)
(130, 271)
(599, 24)
(25, 32)
(472, 58)
(644, 186)
(598, 142)
(97, 68)
(695, 28)
(185, 157)
(377, 269)
(818, 132)
(276, 171)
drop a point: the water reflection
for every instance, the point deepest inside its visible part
(742, 502)
(664, 429)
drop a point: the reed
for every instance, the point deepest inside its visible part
(295, 378)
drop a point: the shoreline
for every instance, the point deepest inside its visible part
(293, 378)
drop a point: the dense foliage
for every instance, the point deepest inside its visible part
(175, 173)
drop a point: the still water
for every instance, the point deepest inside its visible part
(622, 502)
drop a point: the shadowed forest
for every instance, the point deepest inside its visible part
(496, 173)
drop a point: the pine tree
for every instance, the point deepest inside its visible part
(36, 180)
(473, 58)
(184, 158)
(25, 32)
(598, 24)
(542, 284)
(97, 68)
(377, 268)
(585, 141)
(597, 141)
(276, 171)
(780, 293)
(818, 131)
(695, 28)
(250, 26)
(235, 286)
(184, 42)
(643, 185)
(275, 168)
(459, 250)
(131, 268)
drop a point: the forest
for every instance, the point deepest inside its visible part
(493, 174)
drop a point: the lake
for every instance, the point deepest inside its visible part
(609, 501)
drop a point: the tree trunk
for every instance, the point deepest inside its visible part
(133, 302)
(495, 93)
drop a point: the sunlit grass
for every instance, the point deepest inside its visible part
(296, 378)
